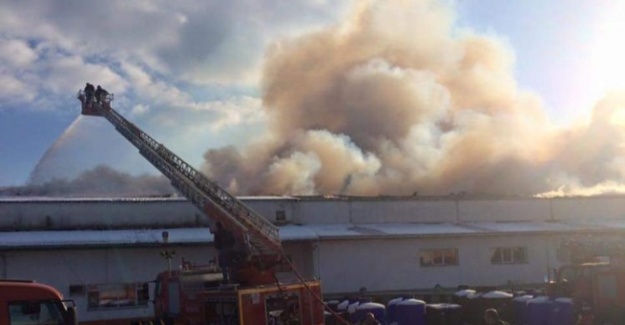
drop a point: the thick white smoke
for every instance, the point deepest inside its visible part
(396, 100)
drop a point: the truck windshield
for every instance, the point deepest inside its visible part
(36, 313)
(200, 282)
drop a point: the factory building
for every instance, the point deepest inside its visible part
(100, 252)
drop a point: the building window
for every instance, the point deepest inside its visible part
(508, 255)
(116, 295)
(76, 290)
(281, 216)
(438, 257)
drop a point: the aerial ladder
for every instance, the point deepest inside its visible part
(258, 239)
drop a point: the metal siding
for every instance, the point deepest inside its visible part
(398, 211)
(326, 212)
(504, 210)
(388, 265)
(589, 208)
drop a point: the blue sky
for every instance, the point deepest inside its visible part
(553, 43)
(190, 72)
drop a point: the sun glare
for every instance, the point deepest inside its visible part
(608, 48)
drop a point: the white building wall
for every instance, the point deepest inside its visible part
(105, 214)
(589, 208)
(393, 264)
(393, 211)
(504, 210)
(326, 212)
(269, 207)
(129, 213)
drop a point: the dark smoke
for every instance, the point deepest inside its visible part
(396, 100)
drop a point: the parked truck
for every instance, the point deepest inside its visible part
(30, 303)
(594, 277)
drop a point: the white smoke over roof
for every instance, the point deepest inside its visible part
(396, 100)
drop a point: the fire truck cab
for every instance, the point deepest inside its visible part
(595, 280)
(197, 296)
(27, 302)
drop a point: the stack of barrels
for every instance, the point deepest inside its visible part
(468, 308)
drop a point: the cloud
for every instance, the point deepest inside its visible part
(200, 42)
(16, 53)
(13, 90)
(139, 110)
(168, 100)
(155, 49)
(38, 74)
(66, 74)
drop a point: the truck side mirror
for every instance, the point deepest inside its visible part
(150, 287)
(144, 293)
(72, 318)
(553, 275)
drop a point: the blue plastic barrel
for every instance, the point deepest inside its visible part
(519, 309)
(342, 306)
(410, 312)
(462, 294)
(444, 314)
(351, 311)
(391, 308)
(562, 312)
(539, 310)
(378, 310)
(473, 311)
(499, 300)
(341, 309)
(461, 297)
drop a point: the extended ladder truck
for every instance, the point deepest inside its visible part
(195, 295)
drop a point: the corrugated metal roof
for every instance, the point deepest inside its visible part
(455, 197)
(46, 199)
(71, 238)
(398, 230)
(144, 237)
(345, 231)
(524, 227)
(590, 223)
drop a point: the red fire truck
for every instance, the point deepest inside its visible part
(28, 302)
(594, 277)
(196, 295)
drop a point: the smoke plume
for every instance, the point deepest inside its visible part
(101, 181)
(397, 100)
